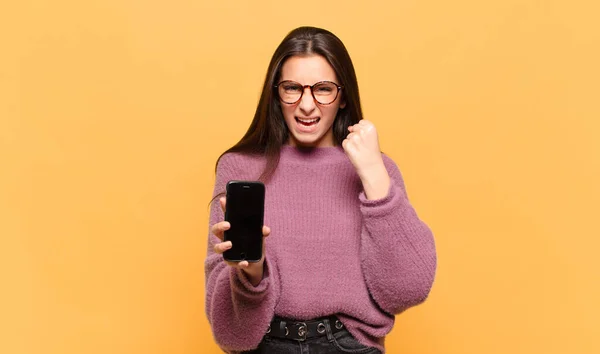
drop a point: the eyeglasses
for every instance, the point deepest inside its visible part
(324, 92)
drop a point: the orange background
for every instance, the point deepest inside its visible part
(112, 114)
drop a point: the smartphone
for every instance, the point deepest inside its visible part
(244, 210)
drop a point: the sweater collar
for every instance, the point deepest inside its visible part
(313, 155)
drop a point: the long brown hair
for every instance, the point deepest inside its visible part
(268, 131)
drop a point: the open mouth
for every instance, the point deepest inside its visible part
(308, 122)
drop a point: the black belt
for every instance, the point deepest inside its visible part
(301, 330)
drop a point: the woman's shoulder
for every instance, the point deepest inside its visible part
(241, 165)
(239, 159)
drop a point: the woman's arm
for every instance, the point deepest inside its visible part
(238, 312)
(398, 255)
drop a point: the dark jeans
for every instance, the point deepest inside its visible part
(333, 343)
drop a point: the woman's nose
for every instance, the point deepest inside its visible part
(307, 102)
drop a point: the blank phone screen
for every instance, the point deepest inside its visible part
(245, 212)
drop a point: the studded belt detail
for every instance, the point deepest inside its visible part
(290, 329)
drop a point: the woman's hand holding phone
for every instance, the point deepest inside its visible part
(254, 270)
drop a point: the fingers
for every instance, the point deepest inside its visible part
(222, 247)
(241, 265)
(220, 227)
(363, 130)
(363, 123)
(346, 144)
(223, 202)
(356, 129)
(354, 136)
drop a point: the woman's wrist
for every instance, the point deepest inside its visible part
(254, 274)
(376, 182)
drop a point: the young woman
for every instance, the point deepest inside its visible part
(344, 249)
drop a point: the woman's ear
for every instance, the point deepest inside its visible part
(343, 104)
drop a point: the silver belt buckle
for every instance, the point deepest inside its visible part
(302, 331)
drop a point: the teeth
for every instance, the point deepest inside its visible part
(308, 121)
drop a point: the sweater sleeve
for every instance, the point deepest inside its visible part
(238, 312)
(398, 255)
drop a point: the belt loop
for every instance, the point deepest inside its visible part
(282, 328)
(328, 330)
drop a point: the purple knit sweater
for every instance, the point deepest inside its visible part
(331, 251)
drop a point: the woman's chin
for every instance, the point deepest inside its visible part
(303, 140)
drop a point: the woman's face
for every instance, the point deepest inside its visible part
(309, 122)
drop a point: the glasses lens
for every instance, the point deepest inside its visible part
(290, 92)
(325, 92)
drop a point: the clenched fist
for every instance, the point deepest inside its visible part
(362, 148)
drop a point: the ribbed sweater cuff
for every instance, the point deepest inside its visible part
(241, 284)
(394, 199)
